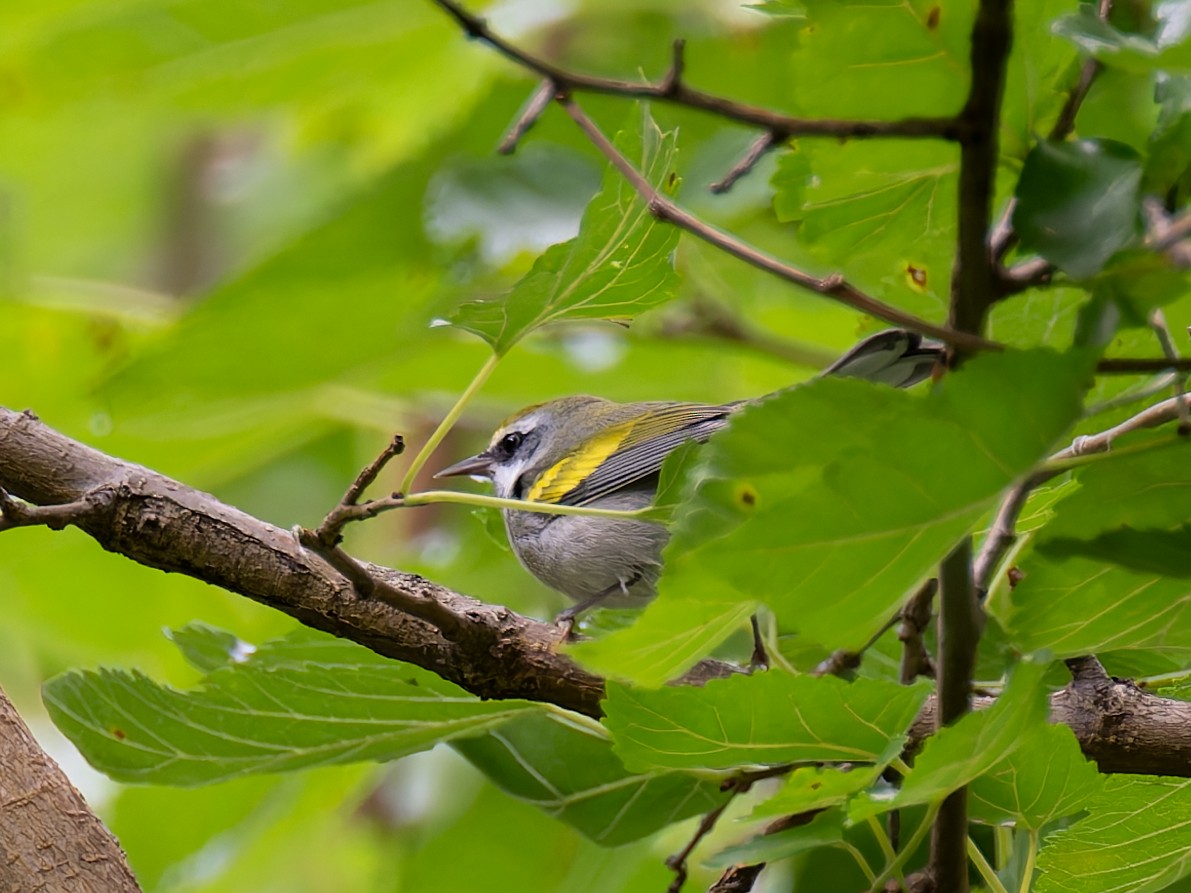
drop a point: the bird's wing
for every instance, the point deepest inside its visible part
(631, 451)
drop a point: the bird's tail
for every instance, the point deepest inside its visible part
(894, 357)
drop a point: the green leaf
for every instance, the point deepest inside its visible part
(306, 700)
(1131, 510)
(961, 752)
(883, 59)
(1163, 552)
(1080, 606)
(207, 648)
(817, 787)
(1134, 838)
(831, 501)
(765, 718)
(1136, 281)
(885, 213)
(1129, 52)
(569, 770)
(1078, 203)
(618, 265)
(1046, 778)
(825, 829)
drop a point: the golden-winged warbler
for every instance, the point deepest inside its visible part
(586, 451)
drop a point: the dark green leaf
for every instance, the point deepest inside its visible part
(1130, 509)
(832, 501)
(825, 829)
(817, 787)
(618, 265)
(885, 59)
(1078, 203)
(1163, 552)
(306, 700)
(976, 743)
(765, 718)
(568, 770)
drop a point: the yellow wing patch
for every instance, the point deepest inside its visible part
(569, 472)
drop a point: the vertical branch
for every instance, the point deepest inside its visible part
(974, 283)
(959, 635)
(973, 292)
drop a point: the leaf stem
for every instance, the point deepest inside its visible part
(1004, 840)
(986, 871)
(894, 868)
(1027, 872)
(432, 497)
(448, 422)
(869, 874)
(883, 842)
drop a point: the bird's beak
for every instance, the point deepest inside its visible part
(477, 466)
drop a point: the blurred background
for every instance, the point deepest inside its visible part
(227, 231)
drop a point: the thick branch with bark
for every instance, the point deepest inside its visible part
(162, 523)
(49, 837)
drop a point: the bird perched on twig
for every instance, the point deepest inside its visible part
(587, 451)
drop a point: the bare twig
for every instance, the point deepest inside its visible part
(842, 662)
(369, 585)
(1149, 389)
(740, 783)
(672, 88)
(1025, 275)
(1166, 233)
(760, 146)
(1135, 365)
(14, 513)
(915, 618)
(537, 103)
(1150, 417)
(834, 286)
(1162, 331)
(330, 531)
(1002, 534)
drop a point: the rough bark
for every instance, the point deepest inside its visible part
(49, 838)
(162, 523)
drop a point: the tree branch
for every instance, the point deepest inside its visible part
(672, 88)
(833, 286)
(49, 837)
(161, 523)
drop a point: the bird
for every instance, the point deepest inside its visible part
(589, 451)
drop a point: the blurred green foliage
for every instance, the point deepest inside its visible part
(228, 235)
